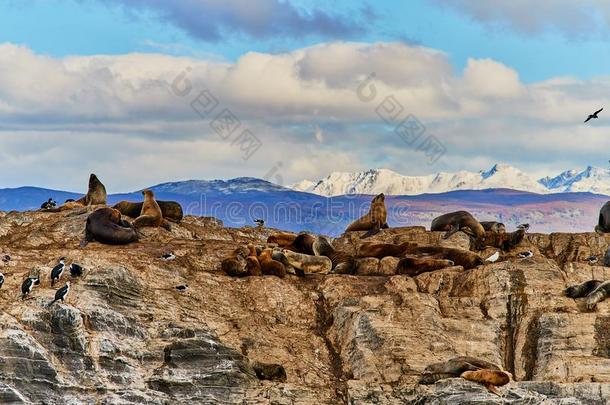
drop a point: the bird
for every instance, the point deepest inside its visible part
(50, 203)
(57, 270)
(168, 256)
(61, 293)
(28, 285)
(1, 279)
(493, 258)
(76, 270)
(592, 259)
(260, 222)
(525, 227)
(182, 287)
(6, 259)
(527, 253)
(594, 115)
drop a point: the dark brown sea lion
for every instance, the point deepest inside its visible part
(603, 223)
(96, 194)
(372, 221)
(105, 225)
(454, 368)
(236, 265)
(489, 378)
(343, 263)
(381, 250)
(301, 243)
(460, 257)
(253, 266)
(493, 226)
(459, 221)
(282, 239)
(412, 266)
(151, 214)
(171, 210)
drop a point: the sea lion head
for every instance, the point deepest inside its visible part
(379, 198)
(93, 179)
(147, 193)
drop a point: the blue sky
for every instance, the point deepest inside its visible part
(494, 81)
(89, 27)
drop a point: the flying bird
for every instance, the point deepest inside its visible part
(61, 293)
(260, 222)
(594, 115)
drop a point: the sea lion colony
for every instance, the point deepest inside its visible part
(301, 254)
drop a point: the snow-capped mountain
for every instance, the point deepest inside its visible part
(594, 180)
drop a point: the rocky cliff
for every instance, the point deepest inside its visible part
(127, 336)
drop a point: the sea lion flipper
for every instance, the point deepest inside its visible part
(450, 232)
(370, 232)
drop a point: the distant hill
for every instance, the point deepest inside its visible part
(238, 202)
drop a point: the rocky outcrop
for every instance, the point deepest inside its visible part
(125, 335)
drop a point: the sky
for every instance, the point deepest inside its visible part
(148, 91)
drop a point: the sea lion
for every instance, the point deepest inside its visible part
(504, 241)
(454, 368)
(489, 378)
(598, 295)
(151, 214)
(343, 263)
(309, 263)
(459, 221)
(106, 226)
(460, 257)
(413, 266)
(271, 372)
(236, 264)
(282, 239)
(381, 250)
(270, 266)
(497, 227)
(372, 221)
(96, 194)
(583, 289)
(279, 255)
(253, 266)
(603, 223)
(171, 210)
(301, 243)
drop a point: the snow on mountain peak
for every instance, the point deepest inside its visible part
(386, 181)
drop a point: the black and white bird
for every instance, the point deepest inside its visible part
(260, 222)
(182, 287)
(592, 259)
(50, 203)
(27, 286)
(1, 279)
(76, 270)
(524, 227)
(594, 115)
(168, 256)
(6, 259)
(61, 293)
(58, 270)
(526, 254)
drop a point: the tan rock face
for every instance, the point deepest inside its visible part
(126, 335)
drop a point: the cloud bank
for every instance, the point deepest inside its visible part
(130, 118)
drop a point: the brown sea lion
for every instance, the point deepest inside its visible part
(504, 241)
(493, 226)
(598, 295)
(308, 263)
(343, 263)
(151, 214)
(603, 222)
(271, 372)
(105, 225)
(412, 266)
(454, 368)
(96, 194)
(301, 243)
(372, 221)
(459, 221)
(253, 266)
(489, 378)
(583, 289)
(236, 265)
(381, 250)
(171, 210)
(270, 266)
(460, 257)
(282, 239)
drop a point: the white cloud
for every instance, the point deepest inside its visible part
(61, 118)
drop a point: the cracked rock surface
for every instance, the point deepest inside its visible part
(125, 335)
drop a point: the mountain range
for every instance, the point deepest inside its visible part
(592, 179)
(548, 204)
